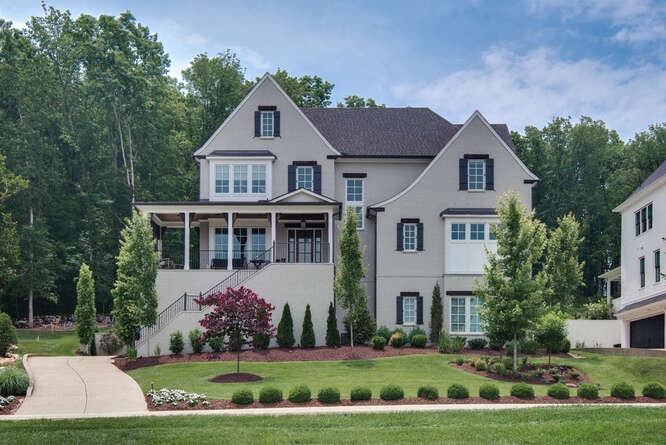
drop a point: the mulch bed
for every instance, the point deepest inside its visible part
(236, 378)
(12, 407)
(227, 404)
(506, 378)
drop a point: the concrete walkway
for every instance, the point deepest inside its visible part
(79, 386)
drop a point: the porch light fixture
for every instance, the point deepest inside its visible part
(303, 224)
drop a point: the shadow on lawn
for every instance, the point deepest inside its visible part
(359, 364)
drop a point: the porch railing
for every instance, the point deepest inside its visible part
(294, 252)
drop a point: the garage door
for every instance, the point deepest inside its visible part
(647, 333)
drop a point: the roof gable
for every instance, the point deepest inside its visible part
(303, 195)
(656, 177)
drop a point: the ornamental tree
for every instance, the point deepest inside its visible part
(85, 306)
(550, 332)
(564, 271)
(237, 316)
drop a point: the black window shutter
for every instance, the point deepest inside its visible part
(291, 178)
(419, 310)
(462, 167)
(398, 310)
(490, 174)
(419, 236)
(399, 244)
(276, 124)
(316, 176)
(257, 124)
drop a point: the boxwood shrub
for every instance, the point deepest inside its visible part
(13, 382)
(419, 341)
(489, 391)
(588, 391)
(300, 394)
(622, 390)
(361, 393)
(269, 394)
(428, 392)
(378, 342)
(457, 391)
(654, 390)
(242, 397)
(329, 395)
(477, 343)
(522, 391)
(559, 391)
(385, 332)
(391, 392)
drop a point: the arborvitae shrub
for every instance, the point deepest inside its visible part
(332, 332)
(360, 393)
(419, 341)
(559, 391)
(391, 392)
(285, 330)
(457, 391)
(489, 391)
(654, 390)
(436, 314)
(7, 333)
(269, 394)
(307, 333)
(329, 395)
(522, 391)
(261, 341)
(378, 342)
(216, 343)
(622, 390)
(588, 391)
(428, 392)
(196, 340)
(300, 394)
(176, 344)
(242, 397)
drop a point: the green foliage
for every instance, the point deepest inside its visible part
(489, 391)
(558, 391)
(528, 346)
(93, 347)
(480, 365)
(654, 390)
(13, 382)
(300, 394)
(436, 314)
(378, 342)
(428, 392)
(419, 341)
(176, 343)
(135, 298)
(285, 330)
(500, 369)
(551, 332)
(196, 340)
(413, 332)
(270, 394)
(110, 343)
(216, 343)
(7, 334)
(307, 334)
(332, 332)
(384, 331)
(391, 392)
(622, 390)
(457, 391)
(158, 351)
(360, 393)
(598, 310)
(522, 391)
(242, 397)
(355, 101)
(563, 270)
(397, 339)
(477, 343)
(329, 395)
(131, 354)
(587, 391)
(366, 326)
(261, 341)
(86, 324)
(306, 91)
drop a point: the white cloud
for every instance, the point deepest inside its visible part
(532, 88)
(250, 58)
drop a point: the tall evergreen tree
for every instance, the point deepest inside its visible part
(436, 314)
(332, 332)
(307, 333)
(85, 306)
(285, 330)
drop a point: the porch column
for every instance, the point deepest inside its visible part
(230, 240)
(608, 291)
(186, 240)
(330, 236)
(273, 235)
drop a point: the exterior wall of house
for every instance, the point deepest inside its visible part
(171, 284)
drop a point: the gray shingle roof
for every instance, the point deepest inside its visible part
(658, 173)
(387, 131)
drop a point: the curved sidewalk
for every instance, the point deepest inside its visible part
(79, 386)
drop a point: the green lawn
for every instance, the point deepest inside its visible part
(47, 342)
(408, 371)
(565, 425)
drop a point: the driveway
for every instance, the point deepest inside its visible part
(80, 385)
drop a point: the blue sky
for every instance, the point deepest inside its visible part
(519, 62)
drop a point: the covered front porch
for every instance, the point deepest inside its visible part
(231, 236)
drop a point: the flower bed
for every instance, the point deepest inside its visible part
(9, 404)
(175, 398)
(536, 374)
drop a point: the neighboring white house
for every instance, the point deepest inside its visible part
(275, 181)
(642, 303)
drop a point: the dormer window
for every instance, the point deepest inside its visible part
(267, 122)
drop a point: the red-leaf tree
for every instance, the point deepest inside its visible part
(238, 315)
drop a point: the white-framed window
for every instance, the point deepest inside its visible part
(409, 237)
(258, 178)
(304, 177)
(657, 266)
(476, 174)
(458, 231)
(477, 231)
(643, 219)
(354, 199)
(239, 180)
(266, 124)
(258, 242)
(641, 266)
(465, 315)
(409, 310)
(221, 178)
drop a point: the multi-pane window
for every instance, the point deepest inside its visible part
(458, 231)
(240, 178)
(476, 174)
(267, 124)
(258, 242)
(641, 265)
(409, 310)
(465, 314)
(643, 219)
(458, 315)
(474, 320)
(409, 236)
(259, 178)
(221, 178)
(657, 266)
(477, 231)
(304, 178)
(354, 195)
(221, 239)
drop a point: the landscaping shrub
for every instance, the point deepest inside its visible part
(131, 354)
(216, 343)
(360, 393)
(285, 329)
(391, 392)
(261, 341)
(588, 391)
(269, 394)
(460, 361)
(329, 395)
(500, 369)
(365, 326)
(654, 390)
(414, 332)
(176, 344)
(489, 391)
(622, 390)
(495, 344)
(559, 391)
(307, 333)
(457, 391)
(300, 394)
(448, 345)
(444, 344)
(436, 314)
(477, 343)
(458, 343)
(332, 332)
(428, 392)
(419, 341)
(242, 397)
(7, 334)
(528, 346)
(522, 391)
(480, 365)
(235, 343)
(507, 362)
(157, 351)
(574, 375)
(109, 343)
(93, 347)
(385, 332)
(378, 342)
(397, 339)
(563, 348)
(13, 382)
(196, 340)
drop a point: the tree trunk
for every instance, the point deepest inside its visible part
(31, 313)
(238, 361)
(515, 352)
(351, 334)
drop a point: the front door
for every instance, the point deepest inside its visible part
(305, 246)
